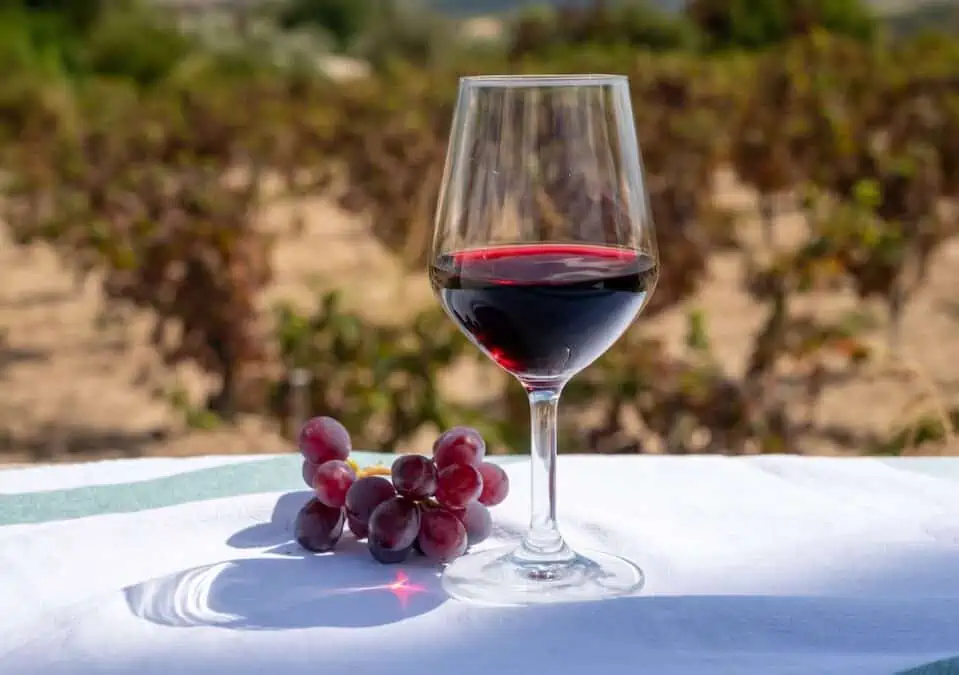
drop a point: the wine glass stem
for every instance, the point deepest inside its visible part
(543, 544)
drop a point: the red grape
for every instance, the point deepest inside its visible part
(477, 520)
(458, 485)
(388, 556)
(414, 476)
(357, 527)
(309, 470)
(323, 439)
(442, 536)
(495, 484)
(365, 495)
(332, 481)
(393, 529)
(318, 526)
(459, 445)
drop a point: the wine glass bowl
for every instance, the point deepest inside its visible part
(543, 255)
(543, 312)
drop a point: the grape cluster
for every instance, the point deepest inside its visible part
(435, 507)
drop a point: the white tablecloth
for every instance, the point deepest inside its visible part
(754, 565)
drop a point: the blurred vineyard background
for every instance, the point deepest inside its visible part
(214, 216)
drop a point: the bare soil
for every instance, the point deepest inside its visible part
(77, 383)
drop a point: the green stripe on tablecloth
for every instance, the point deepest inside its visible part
(944, 667)
(271, 475)
(279, 473)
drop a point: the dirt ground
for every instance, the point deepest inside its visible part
(75, 384)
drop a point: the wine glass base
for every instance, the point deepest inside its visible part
(498, 577)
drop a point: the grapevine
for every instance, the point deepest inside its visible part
(158, 192)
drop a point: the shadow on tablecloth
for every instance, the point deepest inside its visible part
(856, 619)
(287, 587)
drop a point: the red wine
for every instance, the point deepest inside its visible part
(544, 311)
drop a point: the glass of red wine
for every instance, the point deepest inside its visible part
(543, 255)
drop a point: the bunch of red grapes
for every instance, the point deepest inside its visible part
(436, 507)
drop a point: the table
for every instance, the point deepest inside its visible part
(755, 565)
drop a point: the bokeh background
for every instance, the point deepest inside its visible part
(214, 216)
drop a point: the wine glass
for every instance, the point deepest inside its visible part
(543, 254)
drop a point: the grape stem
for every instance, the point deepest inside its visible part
(543, 544)
(377, 470)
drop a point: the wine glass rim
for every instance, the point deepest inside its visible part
(574, 80)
